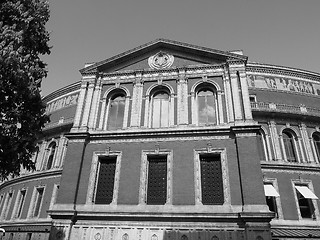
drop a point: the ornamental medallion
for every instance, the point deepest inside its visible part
(160, 60)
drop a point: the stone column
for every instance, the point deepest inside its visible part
(220, 108)
(275, 140)
(87, 106)
(182, 99)
(245, 95)
(237, 109)
(137, 101)
(284, 155)
(81, 101)
(306, 142)
(228, 97)
(41, 157)
(95, 105)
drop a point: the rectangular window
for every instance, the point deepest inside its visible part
(157, 180)
(38, 202)
(271, 194)
(20, 203)
(29, 236)
(211, 179)
(106, 179)
(304, 197)
(6, 205)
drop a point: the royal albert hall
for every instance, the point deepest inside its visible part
(172, 141)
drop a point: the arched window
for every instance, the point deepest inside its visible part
(289, 146)
(205, 105)
(316, 142)
(52, 150)
(116, 105)
(160, 109)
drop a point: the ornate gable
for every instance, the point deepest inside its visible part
(162, 54)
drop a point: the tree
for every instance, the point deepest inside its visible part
(23, 38)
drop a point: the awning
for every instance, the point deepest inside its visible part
(306, 192)
(270, 191)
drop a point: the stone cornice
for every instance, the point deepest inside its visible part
(291, 167)
(62, 91)
(188, 71)
(32, 176)
(281, 70)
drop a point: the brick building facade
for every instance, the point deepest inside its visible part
(174, 141)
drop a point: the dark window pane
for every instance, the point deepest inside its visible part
(289, 147)
(105, 186)
(271, 202)
(157, 181)
(305, 205)
(38, 202)
(211, 180)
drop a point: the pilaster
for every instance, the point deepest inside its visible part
(88, 102)
(306, 143)
(237, 108)
(245, 95)
(182, 98)
(275, 140)
(95, 105)
(228, 97)
(137, 101)
(81, 101)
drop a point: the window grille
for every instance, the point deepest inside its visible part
(211, 180)
(157, 181)
(105, 185)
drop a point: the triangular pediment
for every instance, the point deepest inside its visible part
(160, 54)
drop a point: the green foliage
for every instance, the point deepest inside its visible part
(23, 38)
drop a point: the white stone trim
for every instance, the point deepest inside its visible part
(94, 174)
(33, 201)
(17, 203)
(144, 174)
(224, 169)
(80, 105)
(276, 141)
(228, 97)
(306, 143)
(88, 103)
(94, 106)
(235, 95)
(7, 204)
(309, 184)
(54, 195)
(274, 183)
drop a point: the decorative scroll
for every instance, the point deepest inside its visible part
(62, 102)
(160, 60)
(285, 84)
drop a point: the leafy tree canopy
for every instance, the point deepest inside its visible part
(23, 38)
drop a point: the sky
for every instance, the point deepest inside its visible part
(279, 32)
